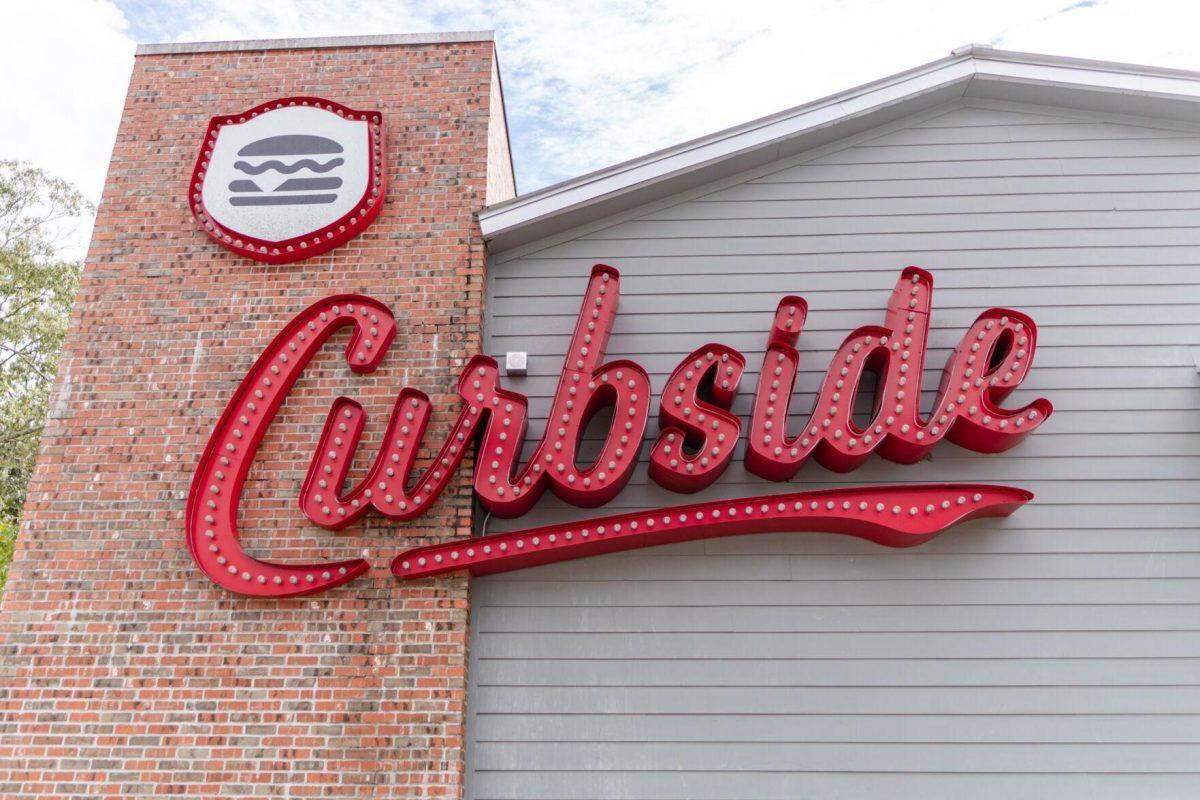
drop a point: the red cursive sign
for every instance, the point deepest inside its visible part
(695, 445)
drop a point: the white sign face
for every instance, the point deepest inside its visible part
(289, 181)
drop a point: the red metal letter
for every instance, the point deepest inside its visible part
(708, 429)
(386, 486)
(993, 359)
(499, 416)
(587, 385)
(211, 520)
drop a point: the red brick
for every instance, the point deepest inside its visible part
(124, 672)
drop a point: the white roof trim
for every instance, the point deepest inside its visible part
(975, 70)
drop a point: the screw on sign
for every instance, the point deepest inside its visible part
(992, 359)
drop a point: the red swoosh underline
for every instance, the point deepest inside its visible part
(895, 516)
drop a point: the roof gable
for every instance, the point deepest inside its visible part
(971, 72)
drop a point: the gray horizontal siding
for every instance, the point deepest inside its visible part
(814, 672)
(538, 784)
(1053, 653)
(840, 591)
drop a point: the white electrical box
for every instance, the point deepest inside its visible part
(516, 363)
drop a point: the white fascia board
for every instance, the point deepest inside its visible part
(1170, 96)
(891, 93)
(639, 173)
(985, 53)
(1180, 88)
(610, 181)
(972, 71)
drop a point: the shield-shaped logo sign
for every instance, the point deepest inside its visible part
(289, 179)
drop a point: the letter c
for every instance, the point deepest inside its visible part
(211, 519)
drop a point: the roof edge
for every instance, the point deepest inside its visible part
(532, 215)
(314, 42)
(728, 133)
(522, 213)
(985, 52)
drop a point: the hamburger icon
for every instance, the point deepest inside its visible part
(270, 164)
(289, 178)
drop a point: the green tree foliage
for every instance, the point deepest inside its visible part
(37, 288)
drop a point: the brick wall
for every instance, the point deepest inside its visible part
(123, 671)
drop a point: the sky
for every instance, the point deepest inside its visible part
(586, 84)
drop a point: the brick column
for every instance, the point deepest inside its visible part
(124, 671)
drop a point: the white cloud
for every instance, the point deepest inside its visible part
(590, 83)
(586, 83)
(68, 64)
(1158, 32)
